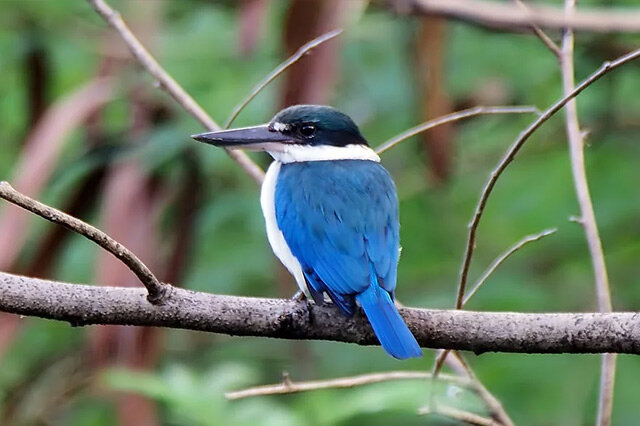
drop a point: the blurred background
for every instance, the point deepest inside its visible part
(83, 128)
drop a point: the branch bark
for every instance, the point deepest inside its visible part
(288, 319)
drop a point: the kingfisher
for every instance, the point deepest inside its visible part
(331, 213)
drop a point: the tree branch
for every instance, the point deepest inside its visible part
(157, 290)
(508, 15)
(288, 319)
(169, 85)
(587, 216)
(287, 386)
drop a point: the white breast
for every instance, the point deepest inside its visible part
(274, 234)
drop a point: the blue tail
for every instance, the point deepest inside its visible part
(388, 325)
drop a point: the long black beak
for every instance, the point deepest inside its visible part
(256, 138)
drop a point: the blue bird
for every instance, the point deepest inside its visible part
(331, 214)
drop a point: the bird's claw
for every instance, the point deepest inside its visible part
(299, 296)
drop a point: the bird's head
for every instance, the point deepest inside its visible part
(299, 133)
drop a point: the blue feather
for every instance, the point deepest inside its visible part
(387, 324)
(340, 220)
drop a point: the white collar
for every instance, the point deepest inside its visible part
(299, 153)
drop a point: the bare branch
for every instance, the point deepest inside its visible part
(157, 290)
(510, 155)
(287, 386)
(507, 15)
(493, 404)
(551, 45)
(457, 414)
(455, 116)
(279, 70)
(462, 367)
(504, 256)
(288, 319)
(169, 85)
(607, 385)
(587, 216)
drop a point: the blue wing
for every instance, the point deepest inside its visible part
(338, 217)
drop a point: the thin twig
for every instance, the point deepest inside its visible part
(553, 47)
(458, 361)
(504, 256)
(576, 146)
(169, 85)
(287, 386)
(455, 116)
(494, 405)
(587, 216)
(435, 373)
(510, 155)
(607, 385)
(279, 70)
(157, 290)
(459, 415)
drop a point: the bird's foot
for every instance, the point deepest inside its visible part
(299, 296)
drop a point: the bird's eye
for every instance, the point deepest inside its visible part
(307, 130)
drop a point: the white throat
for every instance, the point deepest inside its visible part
(298, 153)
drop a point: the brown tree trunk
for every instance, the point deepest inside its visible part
(437, 144)
(312, 78)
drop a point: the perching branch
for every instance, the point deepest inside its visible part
(587, 217)
(169, 85)
(157, 290)
(288, 319)
(306, 48)
(454, 116)
(508, 15)
(510, 155)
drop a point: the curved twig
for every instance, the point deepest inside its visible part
(504, 256)
(510, 155)
(279, 70)
(455, 116)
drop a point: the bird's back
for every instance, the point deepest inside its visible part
(340, 220)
